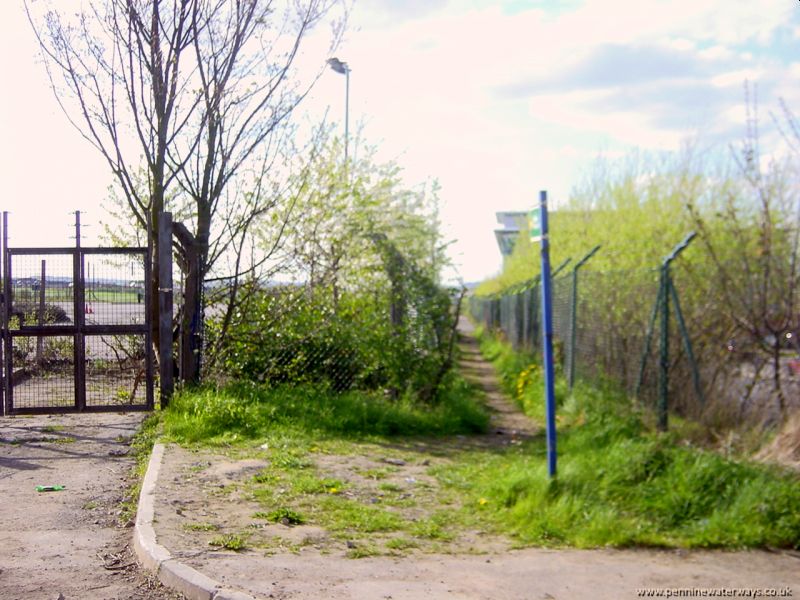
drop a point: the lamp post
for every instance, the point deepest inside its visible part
(342, 68)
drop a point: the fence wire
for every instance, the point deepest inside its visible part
(601, 323)
(386, 326)
(59, 360)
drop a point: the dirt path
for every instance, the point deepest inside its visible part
(508, 422)
(68, 544)
(202, 488)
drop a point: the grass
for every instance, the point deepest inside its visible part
(245, 411)
(619, 483)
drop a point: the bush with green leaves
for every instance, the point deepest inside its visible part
(737, 282)
(296, 335)
(285, 335)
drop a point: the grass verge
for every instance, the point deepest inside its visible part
(340, 462)
(245, 411)
(351, 464)
(620, 483)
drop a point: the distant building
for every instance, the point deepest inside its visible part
(513, 223)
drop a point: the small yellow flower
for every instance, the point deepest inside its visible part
(483, 501)
(333, 490)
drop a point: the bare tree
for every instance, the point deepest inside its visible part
(752, 238)
(201, 91)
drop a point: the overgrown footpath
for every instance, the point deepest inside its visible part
(367, 474)
(621, 483)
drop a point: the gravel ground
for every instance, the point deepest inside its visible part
(68, 544)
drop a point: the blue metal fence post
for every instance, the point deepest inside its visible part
(547, 318)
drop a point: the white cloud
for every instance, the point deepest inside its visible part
(737, 78)
(716, 52)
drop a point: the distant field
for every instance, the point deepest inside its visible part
(115, 297)
(92, 295)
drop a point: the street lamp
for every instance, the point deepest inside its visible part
(342, 68)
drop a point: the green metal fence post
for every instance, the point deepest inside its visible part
(574, 314)
(687, 343)
(663, 375)
(666, 283)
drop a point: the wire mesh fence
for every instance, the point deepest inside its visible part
(75, 330)
(601, 326)
(383, 324)
(661, 335)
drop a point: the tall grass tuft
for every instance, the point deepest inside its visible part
(245, 410)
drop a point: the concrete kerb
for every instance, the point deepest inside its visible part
(156, 558)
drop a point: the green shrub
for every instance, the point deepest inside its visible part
(296, 336)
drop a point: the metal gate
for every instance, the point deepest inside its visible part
(75, 329)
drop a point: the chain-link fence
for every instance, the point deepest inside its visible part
(383, 326)
(594, 336)
(75, 331)
(610, 327)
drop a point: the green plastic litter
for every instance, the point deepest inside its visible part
(49, 488)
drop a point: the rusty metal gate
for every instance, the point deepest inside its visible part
(75, 329)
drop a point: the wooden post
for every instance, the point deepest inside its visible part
(165, 292)
(191, 321)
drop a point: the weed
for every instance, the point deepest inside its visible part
(291, 461)
(389, 487)
(379, 473)
(339, 514)
(230, 541)
(64, 440)
(266, 476)
(200, 526)
(401, 543)
(283, 515)
(362, 550)
(314, 485)
(432, 528)
(619, 483)
(51, 428)
(142, 445)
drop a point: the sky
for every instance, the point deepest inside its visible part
(496, 100)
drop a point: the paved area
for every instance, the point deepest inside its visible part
(68, 544)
